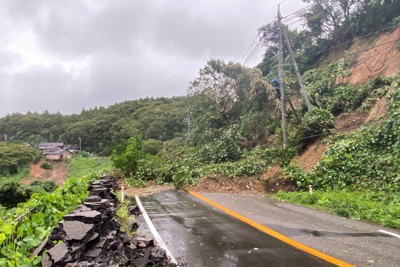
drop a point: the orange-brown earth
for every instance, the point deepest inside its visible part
(379, 58)
(57, 174)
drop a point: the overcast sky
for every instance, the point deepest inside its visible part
(67, 55)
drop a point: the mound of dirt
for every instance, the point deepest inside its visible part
(222, 184)
(149, 188)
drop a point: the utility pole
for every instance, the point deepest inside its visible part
(281, 79)
(296, 69)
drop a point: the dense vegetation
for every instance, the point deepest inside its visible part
(27, 224)
(41, 213)
(14, 156)
(100, 128)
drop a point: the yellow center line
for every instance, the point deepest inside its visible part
(273, 233)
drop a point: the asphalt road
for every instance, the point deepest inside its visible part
(199, 235)
(355, 242)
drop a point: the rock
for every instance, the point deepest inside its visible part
(81, 264)
(77, 231)
(92, 236)
(60, 254)
(90, 216)
(102, 204)
(93, 253)
(135, 226)
(113, 245)
(83, 208)
(77, 250)
(157, 256)
(132, 246)
(93, 199)
(93, 239)
(143, 242)
(126, 240)
(39, 249)
(46, 262)
(99, 191)
(134, 210)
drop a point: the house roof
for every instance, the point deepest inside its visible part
(50, 144)
(57, 151)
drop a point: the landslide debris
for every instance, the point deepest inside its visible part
(90, 236)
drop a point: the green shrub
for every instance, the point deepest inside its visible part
(47, 186)
(280, 156)
(328, 89)
(128, 160)
(301, 178)
(184, 173)
(222, 150)
(316, 122)
(12, 193)
(149, 167)
(46, 165)
(13, 156)
(152, 146)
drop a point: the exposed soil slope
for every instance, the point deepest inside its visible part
(57, 174)
(311, 156)
(380, 58)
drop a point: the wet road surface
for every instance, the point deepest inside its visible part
(199, 235)
(356, 242)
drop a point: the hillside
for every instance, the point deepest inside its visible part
(226, 134)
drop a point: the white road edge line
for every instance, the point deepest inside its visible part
(154, 231)
(389, 233)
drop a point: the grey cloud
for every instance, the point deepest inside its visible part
(39, 89)
(134, 48)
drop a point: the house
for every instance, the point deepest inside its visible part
(46, 146)
(58, 154)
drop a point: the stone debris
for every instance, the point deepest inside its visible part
(134, 210)
(90, 236)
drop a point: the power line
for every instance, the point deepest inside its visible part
(255, 39)
(255, 50)
(297, 12)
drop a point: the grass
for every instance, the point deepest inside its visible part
(78, 167)
(125, 219)
(382, 208)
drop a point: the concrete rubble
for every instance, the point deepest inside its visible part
(90, 235)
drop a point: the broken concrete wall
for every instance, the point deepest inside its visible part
(90, 235)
